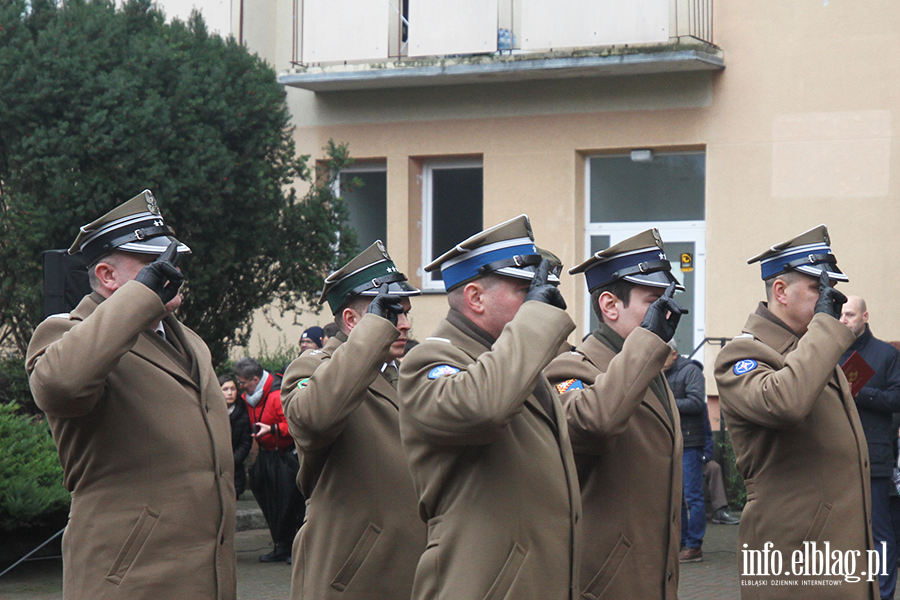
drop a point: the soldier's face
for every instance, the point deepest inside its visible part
(629, 317)
(502, 299)
(801, 295)
(404, 326)
(126, 266)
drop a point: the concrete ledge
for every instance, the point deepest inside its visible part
(249, 518)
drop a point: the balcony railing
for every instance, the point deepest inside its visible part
(346, 44)
(342, 31)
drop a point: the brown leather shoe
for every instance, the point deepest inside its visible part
(690, 555)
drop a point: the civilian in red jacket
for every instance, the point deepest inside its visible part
(274, 474)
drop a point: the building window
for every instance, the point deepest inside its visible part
(367, 203)
(627, 194)
(452, 209)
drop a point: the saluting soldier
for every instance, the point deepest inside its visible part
(140, 423)
(796, 434)
(624, 425)
(363, 536)
(484, 431)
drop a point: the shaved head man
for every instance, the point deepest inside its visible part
(855, 315)
(875, 402)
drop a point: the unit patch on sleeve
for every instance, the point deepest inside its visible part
(303, 383)
(442, 370)
(569, 384)
(744, 366)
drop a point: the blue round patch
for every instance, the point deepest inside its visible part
(744, 366)
(442, 370)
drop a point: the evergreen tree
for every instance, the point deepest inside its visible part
(99, 103)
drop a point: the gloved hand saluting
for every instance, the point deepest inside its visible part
(161, 276)
(541, 291)
(830, 300)
(387, 306)
(663, 315)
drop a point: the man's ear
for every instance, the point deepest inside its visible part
(351, 318)
(106, 276)
(607, 302)
(473, 294)
(779, 291)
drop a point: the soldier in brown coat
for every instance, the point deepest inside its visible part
(362, 537)
(797, 437)
(624, 424)
(484, 431)
(140, 423)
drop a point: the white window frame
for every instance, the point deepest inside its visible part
(675, 231)
(428, 168)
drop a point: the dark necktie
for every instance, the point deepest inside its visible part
(390, 373)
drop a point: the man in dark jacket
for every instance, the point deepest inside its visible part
(876, 401)
(685, 377)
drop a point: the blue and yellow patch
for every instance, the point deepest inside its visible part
(569, 384)
(442, 370)
(303, 383)
(744, 366)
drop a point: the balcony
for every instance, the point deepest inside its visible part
(367, 44)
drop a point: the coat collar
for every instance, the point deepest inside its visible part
(770, 330)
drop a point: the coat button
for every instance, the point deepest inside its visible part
(669, 577)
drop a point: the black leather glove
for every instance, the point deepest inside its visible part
(830, 300)
(161, 276)
(541, 291)
(387, 306)
(663, 315)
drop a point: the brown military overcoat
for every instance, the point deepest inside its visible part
(628, 449)
(145, 443)
(494, 473)
(799, 446)
(362, 536)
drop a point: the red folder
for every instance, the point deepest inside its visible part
(858, 372)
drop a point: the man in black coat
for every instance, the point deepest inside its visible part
(876, 401)
(685, 377)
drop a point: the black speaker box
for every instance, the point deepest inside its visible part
(65, 282)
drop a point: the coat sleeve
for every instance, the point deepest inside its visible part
(780, 396)
(321, 393)
(68, 361)
(601, 409)
(694, 400)
(472, 401)
(888, 399)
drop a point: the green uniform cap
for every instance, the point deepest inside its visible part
(363, 276)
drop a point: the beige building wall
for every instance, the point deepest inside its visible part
(797, 131)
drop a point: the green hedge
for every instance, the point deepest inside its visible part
(30, 474)
(14, 384)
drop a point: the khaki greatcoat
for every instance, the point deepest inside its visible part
(494, 473)
(145, 443)
(628, 449)
(362, 535)
(799, 446)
